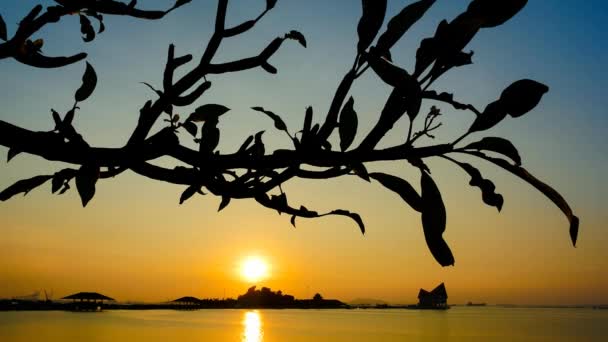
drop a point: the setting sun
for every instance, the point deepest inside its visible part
(254, 269)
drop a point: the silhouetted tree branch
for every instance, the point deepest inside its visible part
(254, 173)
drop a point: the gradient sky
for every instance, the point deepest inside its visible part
(134, 241)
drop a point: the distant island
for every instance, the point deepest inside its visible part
(254, 298)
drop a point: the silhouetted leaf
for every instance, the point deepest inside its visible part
(61, 178)
(498, 145)
(296, 35)
(23, 186)
(356, 217)
(269, 68)
(56, 119)
(69, 116)
(401, 187)
(188, 193)
(158, 92)
(87, 30)
(279, 202)
(224, 203)
(85, 182)
(99, 18)
(12, 152)
(494, 13)
(210, 137)
(191, 128)
(208, 112)
(306, 134)
(348, 124)
(278, 122)
(270, 4)
(402, 22)
(3, 33)
(548, 191)
(390, 73)
(89, 82)
(245, 144)
(492, 115)
(370, 22)
(258, 148)
(360, 170)
(434, 221)
(293, 220)
(65, 188)
(488, 194)
(522, 96)
(180, 3)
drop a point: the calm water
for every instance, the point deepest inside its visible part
(457, 324)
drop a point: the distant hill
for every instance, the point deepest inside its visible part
(367, 301)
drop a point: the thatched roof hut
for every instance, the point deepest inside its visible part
(188, 300)
(88, 296)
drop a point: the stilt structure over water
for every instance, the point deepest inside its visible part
(88, 301)
(434, 300)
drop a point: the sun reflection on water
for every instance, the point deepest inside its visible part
(252, 322)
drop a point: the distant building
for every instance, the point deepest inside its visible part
(87, 301)
(436, 299)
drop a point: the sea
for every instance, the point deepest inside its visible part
(355, 325)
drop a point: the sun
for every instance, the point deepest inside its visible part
(254, 269)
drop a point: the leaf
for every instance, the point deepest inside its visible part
(493, 13)
(270, 4)
(258, 148)
(401, 187)
(210, 137)
(370, 22)
(180, 3)
(356, 217)
(306, 133)
(360, 170)
(488, 194)
(402, 22)
(69, 117)
(298, 36)
(208, 112)
(87, 30)
(188, 193)
(12, 152)
(278, 122)
(498, 145)
(89, 82)
(3, 33)
(348, 124)
(224, 203)
(434, 221)
(86, 178)
(23, 186)
(491, 116)
(522, 96)
(269, 68)
(390, 73)
(191, 128)
(245, 145)
(61, 178)
(279, 202)
(548, 191)
(293, 220)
